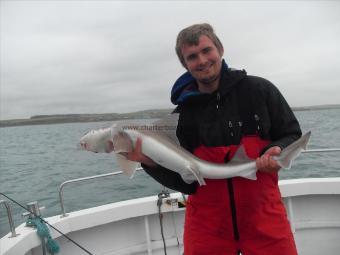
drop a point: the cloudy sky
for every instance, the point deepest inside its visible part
(114, 56)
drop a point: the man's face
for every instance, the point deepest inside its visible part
(203, 61)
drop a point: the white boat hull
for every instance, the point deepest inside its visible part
(133, 227)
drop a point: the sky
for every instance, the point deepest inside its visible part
(59, 57)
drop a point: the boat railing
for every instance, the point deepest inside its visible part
(10, 218)
(83, 179)
(321, 150)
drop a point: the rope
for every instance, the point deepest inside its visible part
(162, 195)
(64, 235)
(44, 233)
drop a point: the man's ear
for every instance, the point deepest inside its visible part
(221, 52)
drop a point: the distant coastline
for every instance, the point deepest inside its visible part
(146, 114)
(72, 118)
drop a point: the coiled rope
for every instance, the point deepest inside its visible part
(43, 231)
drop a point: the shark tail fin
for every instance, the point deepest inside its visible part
(128, 167)
(292, 151)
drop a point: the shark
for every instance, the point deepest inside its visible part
(160, 143)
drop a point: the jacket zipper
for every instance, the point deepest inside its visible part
(233, 209)
(230, 185)
(218, 97)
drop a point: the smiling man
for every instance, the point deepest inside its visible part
(203, 61)
(219, 110)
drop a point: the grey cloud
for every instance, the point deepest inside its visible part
(108, 56)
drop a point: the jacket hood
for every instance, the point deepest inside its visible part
(186, 87)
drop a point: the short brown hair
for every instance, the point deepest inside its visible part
(191, 36)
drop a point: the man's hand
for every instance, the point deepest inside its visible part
(137, 155)
(265, 163)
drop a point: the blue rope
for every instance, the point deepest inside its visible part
(43, 231)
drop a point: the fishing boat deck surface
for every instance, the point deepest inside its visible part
(133, 226)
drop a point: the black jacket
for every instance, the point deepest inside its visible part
(242, 106)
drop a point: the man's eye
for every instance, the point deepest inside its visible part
(206, 50)
(191, 57)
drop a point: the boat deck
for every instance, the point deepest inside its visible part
(133, 226)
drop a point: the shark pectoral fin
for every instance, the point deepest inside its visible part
(127, 166)
(122, 142)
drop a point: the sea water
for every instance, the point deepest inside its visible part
(35, 160)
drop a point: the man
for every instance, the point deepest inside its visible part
(220, 109)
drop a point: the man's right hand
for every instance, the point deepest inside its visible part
(266, 163)
(138, 156)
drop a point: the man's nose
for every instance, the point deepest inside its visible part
(202, 60)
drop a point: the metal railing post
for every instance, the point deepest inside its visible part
(321, 150)
(10, 218)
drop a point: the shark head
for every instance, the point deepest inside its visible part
(96, 140)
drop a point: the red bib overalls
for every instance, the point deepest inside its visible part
(231, 215)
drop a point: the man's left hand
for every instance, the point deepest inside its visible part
(266, 163)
